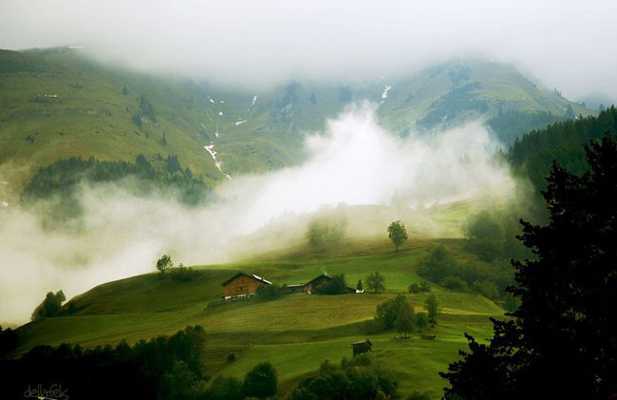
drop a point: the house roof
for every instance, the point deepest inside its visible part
(252, 276)
(321, 276)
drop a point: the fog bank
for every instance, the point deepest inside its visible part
(354, 162)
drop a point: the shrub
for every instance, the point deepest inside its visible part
(376, 282)
(432, 308)
(184, 274)
(454, 283)
(358, 378)
(487, 289)
(422, 321)
(223, 388)
(261, 381)
(421, 287)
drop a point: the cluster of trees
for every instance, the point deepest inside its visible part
(259, 383)
(166, 267)
(326, 232)
(160, 368)
(533, 154)
(359, 378)
(8, 342)
(513, 124)
(492, 235)
(50, 307)
(560, 342)
(490, 280)
(145, 112)
(398, 313)
(61, 180)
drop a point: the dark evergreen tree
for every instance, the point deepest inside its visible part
(561, 342)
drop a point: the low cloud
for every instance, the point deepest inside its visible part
(354, 162)
(567, 44)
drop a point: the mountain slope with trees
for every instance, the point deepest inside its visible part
(58, 104)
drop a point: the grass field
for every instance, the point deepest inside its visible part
(296, 333)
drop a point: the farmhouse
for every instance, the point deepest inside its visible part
(315, 283)
(243, 285)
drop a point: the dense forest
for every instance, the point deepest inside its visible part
(60, 181)
(533, 154)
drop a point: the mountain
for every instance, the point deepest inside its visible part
(57, 103)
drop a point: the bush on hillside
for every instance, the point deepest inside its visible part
(50, 307)
(388, 315)
(261, 382)
(455, 283)
(490, 280)
(360, 378)
(184, 274)
(421, 287)
(376, 283)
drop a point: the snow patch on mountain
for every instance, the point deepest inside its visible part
(386, 91)
(219, 165)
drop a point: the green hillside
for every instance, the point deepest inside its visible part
(296, 332)
(57, 103)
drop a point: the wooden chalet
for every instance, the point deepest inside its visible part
(243, 285)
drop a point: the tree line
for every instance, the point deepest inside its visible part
(60, 181)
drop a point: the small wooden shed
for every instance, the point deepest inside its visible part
(361, 347)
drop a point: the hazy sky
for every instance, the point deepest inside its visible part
(571, 45)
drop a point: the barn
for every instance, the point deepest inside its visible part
(243, 285)
(314, 284)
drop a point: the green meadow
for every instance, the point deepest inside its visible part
(297, 332)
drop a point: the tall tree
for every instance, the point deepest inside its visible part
(376, 282)
(561, 342)
(164, 263)
(397, 232)
(405, 320)
(432, 308)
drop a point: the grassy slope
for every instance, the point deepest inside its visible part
(296, 333)
(92, 116)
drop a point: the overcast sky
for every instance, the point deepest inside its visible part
(571, 45)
